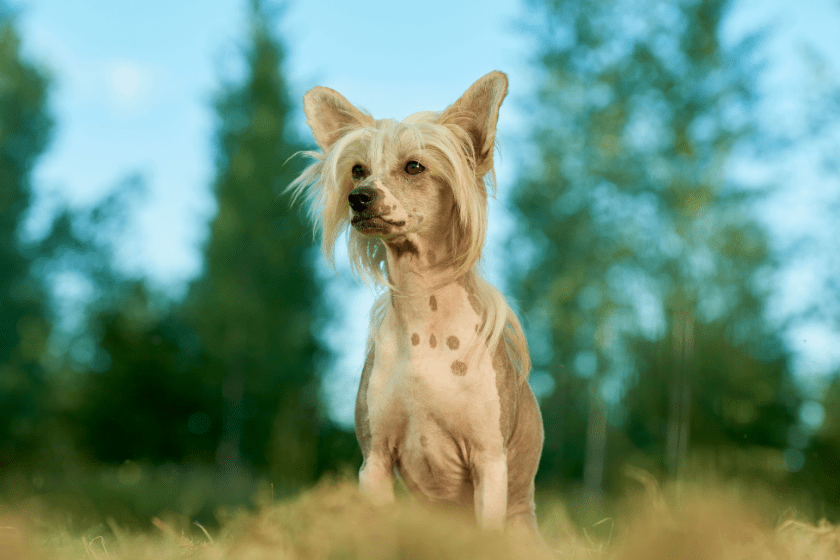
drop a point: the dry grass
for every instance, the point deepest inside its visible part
(333, 522)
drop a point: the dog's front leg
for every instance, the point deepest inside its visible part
(376, 478)
(491, 486)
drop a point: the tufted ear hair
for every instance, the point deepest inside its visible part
(477, 112)
(330, 115)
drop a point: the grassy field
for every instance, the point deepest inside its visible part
(333, 522)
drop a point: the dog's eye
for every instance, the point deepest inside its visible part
(358, 171)
(414, 167)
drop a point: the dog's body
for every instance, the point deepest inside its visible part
(444, 396)
(462, 432)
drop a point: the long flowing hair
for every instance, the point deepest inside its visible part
(448, 149)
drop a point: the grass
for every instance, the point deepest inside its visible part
(333, 522)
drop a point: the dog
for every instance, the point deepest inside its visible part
(443, 399)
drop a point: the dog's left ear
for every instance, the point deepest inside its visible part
(477, 112)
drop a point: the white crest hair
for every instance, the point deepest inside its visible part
(447, 149)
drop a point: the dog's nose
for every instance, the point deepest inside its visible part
(362, 197)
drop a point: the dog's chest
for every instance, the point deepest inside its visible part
(433, 411)
(431, 386)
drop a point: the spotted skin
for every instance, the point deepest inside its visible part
(507, 388)
(406, 248)
(469, 288)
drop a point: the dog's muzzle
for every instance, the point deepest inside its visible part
(368, 217)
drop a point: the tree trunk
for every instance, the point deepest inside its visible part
(228, 454)
(679, 396)
(596, 443)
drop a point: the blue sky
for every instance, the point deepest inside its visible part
(134, 82)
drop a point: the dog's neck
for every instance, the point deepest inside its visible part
(426, 295)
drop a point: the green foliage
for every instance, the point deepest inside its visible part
(255, 304)
(154, 397)
(226, 379)
(737, 405)
(822, 456)
(641, 242)
(24, 131)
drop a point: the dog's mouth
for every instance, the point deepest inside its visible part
(365, 223)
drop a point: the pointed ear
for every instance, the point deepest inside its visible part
(477, 112)
(329, 115)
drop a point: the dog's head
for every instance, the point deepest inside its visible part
(385, 179)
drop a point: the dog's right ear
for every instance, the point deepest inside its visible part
(477, 112)
(329, 115)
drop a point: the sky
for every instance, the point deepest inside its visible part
(134, 83)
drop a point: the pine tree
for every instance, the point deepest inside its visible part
(637, 231)
(255, 304)
(25, 126)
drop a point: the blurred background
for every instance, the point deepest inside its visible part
(666, 227)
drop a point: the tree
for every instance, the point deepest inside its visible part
(129, 381)
(743, 405)
(255, 304)
(639, 233)
(152, 394)
(25, 126)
